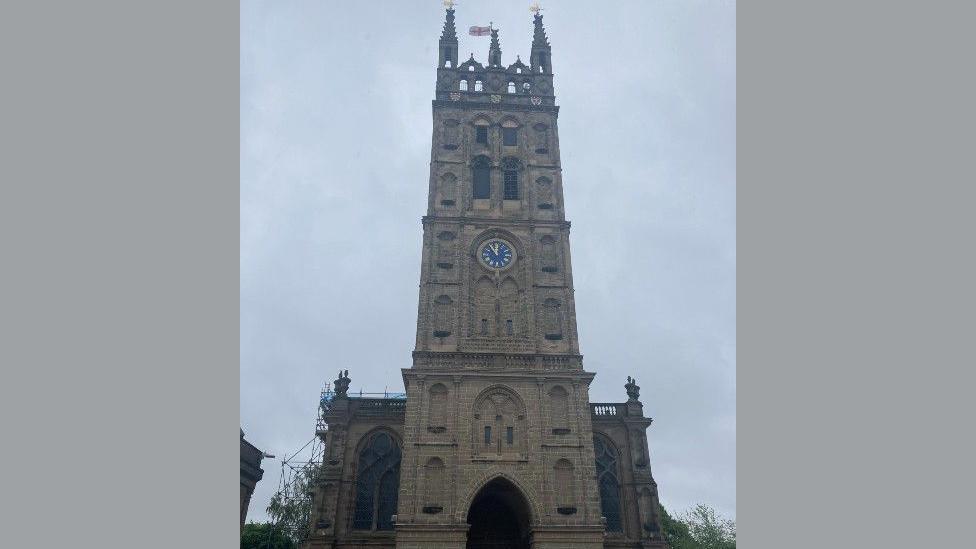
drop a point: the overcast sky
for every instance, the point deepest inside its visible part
(335, 152)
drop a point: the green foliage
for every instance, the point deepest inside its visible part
(263, 535)
(699, 528)
(290, 507)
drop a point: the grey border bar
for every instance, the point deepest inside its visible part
(120, 273)
(855, 138)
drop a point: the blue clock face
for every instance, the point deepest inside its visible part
(496, 254)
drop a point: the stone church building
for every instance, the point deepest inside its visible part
(496, 444)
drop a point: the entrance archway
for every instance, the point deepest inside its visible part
(499, 517)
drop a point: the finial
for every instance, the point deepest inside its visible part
(494, 50)
(450, 31)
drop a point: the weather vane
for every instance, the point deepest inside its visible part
(535, 8)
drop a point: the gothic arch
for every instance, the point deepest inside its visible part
(607, 459)
(495, 473)
(378, 456)
(504, 389)
(498, 423)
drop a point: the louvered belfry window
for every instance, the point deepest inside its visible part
(377, 484)
(511, 185)
(481, 176)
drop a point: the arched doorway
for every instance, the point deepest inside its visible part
(499, 517)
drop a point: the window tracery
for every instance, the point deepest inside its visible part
(377, 483)
(608, 482)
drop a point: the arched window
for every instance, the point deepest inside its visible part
(548, 255)
(541, 138)
(478, 86)
(437, 415)
(553, 319)
(434, 473)
(442, 316)
(450, 134)
(510, 133)
(526, 87)
(563, 477)
(560, 408)
(511, 87)
(448, 188)
(484, 300)
(511, 185)
(544, 193)
(509, 307)
(510, 167)
(377, 483)
(481, 177)
(608, 482)
(463, 85)
(481, 132)
(445, 251)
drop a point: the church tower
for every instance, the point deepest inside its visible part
(498, 410)
(497, 443)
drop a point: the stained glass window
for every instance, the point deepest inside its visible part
(377, 484)
(606, 474)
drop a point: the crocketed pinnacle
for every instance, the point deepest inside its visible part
(450, 31)
(495, 50)
(539, 39)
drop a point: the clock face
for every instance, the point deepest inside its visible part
(496, 254)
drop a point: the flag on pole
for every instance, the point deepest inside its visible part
(479, 31)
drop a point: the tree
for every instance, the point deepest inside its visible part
(289, 508)
(264, 535)
(675, 532)
(699, 528)
(708, 529)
